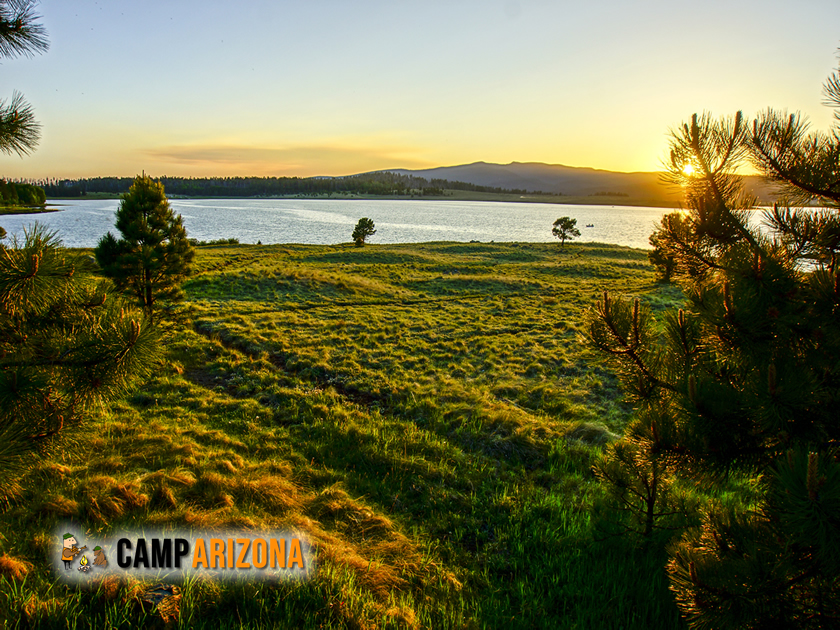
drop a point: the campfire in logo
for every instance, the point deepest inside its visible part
(84, 567)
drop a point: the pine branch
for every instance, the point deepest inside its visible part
(831, 90)
(785, 154)
(691, 251)
(19, 131)
(628, 350)
(19, 32)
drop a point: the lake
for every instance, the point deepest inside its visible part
(329, 221)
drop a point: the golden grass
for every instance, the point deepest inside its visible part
(104, 498)
(344, 532)
(54, 504)
(36, 609)
(14, 568)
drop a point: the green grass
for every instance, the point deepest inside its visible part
(428, 414)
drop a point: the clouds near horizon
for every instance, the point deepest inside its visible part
(294, 161)
(199, 87)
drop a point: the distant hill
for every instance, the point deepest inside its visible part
(568, 180)
(481, 181)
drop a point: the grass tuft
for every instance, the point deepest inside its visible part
(14, 568)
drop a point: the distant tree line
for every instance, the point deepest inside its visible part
(21, 194)
(384, 183)
(456, 185)
(28, 194)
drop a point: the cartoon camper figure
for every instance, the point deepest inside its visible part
(99, 559)
(70, 550)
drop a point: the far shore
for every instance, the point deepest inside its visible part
(450, 195)
(6, 210)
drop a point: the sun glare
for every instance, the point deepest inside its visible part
(688, 169)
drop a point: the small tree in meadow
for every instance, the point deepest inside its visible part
(565, 229)
(153, 256)
(363, 229)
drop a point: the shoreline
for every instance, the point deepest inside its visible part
(453, 195)
(12, 210)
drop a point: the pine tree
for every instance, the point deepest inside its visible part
(363, 229)
(154, 255)
(745, 378)
(65, 347)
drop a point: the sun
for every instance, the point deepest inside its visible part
(688, 169)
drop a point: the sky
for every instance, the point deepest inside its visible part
(207, 88)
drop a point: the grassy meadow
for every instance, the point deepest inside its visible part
(427, 413)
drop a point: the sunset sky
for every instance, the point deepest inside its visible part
(328, 87)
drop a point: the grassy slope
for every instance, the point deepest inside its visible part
(405, 405)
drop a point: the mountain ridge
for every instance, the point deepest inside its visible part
(573, 181)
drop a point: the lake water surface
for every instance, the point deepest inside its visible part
(329, 221)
